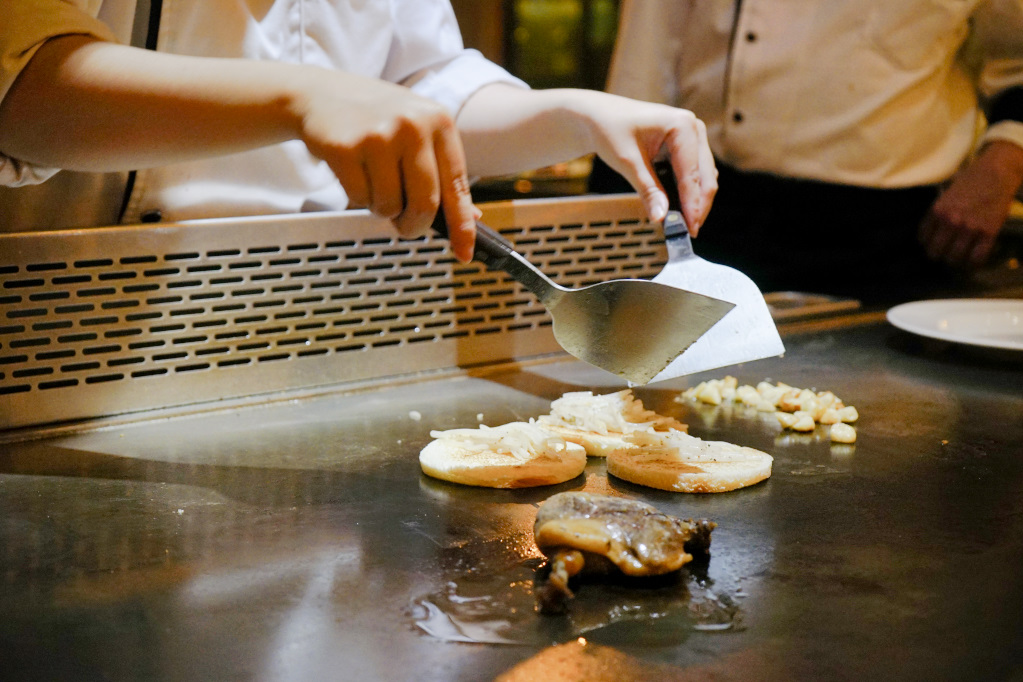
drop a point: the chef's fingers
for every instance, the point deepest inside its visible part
(939, 236)
(422, 188)
(456, 200)
(352, 176)
(966, 247)
(947, 238)
(981, 250)
(695, 171)
(928, 228)
(708, 173)
(637, 169)
(959, 247)
(381, 159)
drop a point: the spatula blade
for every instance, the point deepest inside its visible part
(745, 334)
(633, 328)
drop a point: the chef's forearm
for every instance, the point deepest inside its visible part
(83, 104)
(1006, 158)
(506, 129)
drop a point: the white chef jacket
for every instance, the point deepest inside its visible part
(412, 42)
(875, 93)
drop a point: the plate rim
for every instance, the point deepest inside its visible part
(893, 316)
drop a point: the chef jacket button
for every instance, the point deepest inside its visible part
(151, 216)
(737, 117)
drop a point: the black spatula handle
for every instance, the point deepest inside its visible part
(491, 248)
(497, 253)
(676, 237)
(675, 225)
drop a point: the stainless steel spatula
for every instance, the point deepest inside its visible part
(630, 327)
(746, 333)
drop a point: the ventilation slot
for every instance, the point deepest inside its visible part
(145, 315)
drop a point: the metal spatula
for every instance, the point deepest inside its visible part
(630, 327)
(746, 333)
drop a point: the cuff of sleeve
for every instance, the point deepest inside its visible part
(455, 81)
(27, 24)
(14, 173)
(1008, 131)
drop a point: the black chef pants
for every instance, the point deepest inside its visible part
(803, 235)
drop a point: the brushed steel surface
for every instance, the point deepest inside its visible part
(298, 540)
(114, 320)
(632, 328)
(746, 333)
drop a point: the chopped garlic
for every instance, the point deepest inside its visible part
(799, 409)
(827, 398)
(747, 395)
(710, 394)
(843, 433)
(786, 419)
(804, 421)
(848, 414)
(830, 416)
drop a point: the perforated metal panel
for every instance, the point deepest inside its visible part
(104, 321)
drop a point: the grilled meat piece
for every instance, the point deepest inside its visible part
(585, 533)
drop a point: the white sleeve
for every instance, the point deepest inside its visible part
(428, 56)
(15, 173)
(1007, 131)
(998, 42)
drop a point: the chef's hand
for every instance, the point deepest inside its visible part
(507, 129)
(962, 226)
(395, 153)
(629, 135)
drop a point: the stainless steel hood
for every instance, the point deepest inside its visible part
(108, 321)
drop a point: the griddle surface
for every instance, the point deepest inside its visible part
(297, 540)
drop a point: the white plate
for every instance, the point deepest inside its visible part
(991, 323)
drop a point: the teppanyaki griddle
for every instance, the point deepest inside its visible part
(297, 539)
